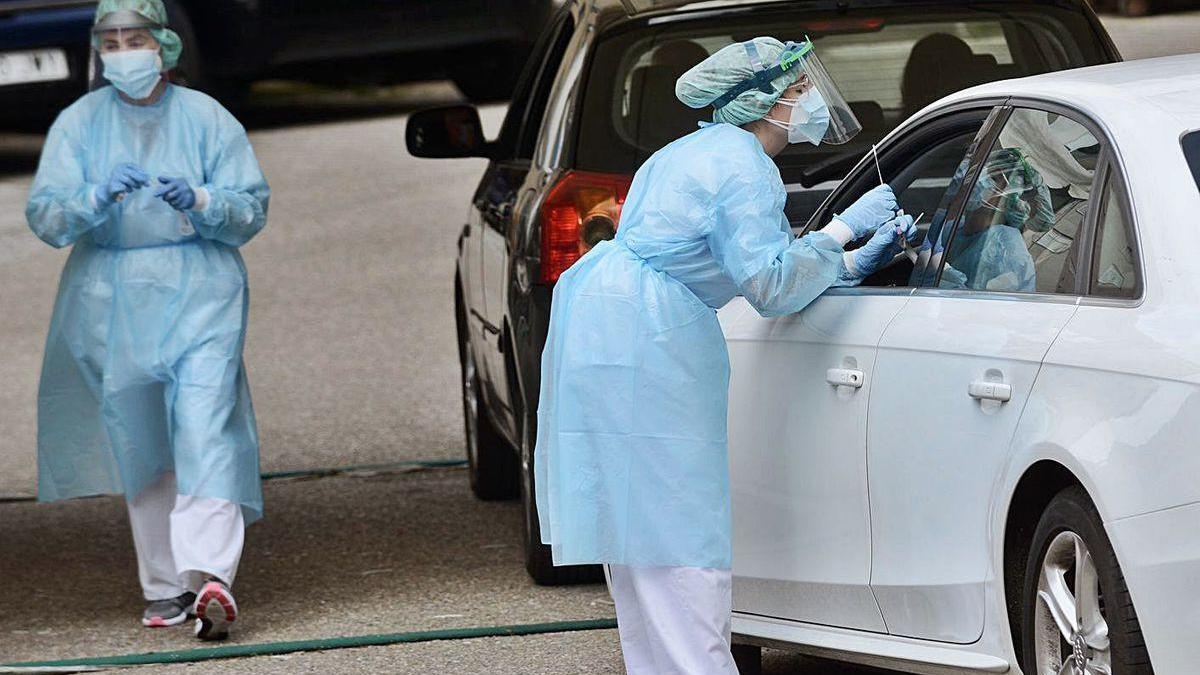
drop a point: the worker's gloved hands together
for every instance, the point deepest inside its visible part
(882, 247)
(125, 178)
(870, 211)
(176, 192)
(128, 177)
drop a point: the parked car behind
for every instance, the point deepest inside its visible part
(481, 46)
(986, 458)
(597, 98)
(43, 57)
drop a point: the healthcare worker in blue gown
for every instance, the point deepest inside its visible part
(631, 465)
(154, 187)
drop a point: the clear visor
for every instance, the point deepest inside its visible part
(843, 124)
(122, 19)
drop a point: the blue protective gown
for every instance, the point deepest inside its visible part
(143, 367)
(631, 462)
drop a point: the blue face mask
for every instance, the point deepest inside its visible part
(134, 72)
(809, 120)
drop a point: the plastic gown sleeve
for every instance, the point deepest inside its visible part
(238, 194)
(62, 205)
(776, 272)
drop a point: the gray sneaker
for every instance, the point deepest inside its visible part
(215, 611)
(169, 612)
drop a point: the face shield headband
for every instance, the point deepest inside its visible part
(763, 77)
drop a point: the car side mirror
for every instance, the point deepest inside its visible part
(449, 132)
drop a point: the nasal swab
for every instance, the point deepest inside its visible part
(877, 169)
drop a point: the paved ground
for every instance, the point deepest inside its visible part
(350, 283)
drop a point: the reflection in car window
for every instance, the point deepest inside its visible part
(1019, 231)
(1114, 269)
(890, 61)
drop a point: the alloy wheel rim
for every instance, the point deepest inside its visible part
(1070, 630)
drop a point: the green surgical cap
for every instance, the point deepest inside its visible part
(722, 71)
(155, 11)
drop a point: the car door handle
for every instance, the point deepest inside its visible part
(844, 377)
(990, 391)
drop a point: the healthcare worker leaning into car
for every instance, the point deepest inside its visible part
(631, 466)
(143, 390)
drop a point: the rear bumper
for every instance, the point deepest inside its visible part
(1159, 554)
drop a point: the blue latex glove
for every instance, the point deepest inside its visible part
(882, 247)
(125, 178)
(872, 209)
(176, 192)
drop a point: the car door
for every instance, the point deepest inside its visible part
(956, 366)
(496, 201)
(799, 391)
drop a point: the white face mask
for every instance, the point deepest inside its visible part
(809, 119)
(134, 72)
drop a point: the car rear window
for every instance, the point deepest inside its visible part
(1191, 150)
(889, 63)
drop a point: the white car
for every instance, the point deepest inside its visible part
(986, 459)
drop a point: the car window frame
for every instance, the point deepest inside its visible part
(1109, 169)
(1108, 160)
(865, 168)
(516, 131)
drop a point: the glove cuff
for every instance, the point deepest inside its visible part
(840, 231)
(202, 199)
(848, 261)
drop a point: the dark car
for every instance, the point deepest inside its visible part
(480, 45)
(43, 56)
(597, 98)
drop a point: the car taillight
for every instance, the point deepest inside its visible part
(582, 209)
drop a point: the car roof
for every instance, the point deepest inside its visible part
(639, 7)
(1127, 94)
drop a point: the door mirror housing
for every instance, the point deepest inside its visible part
(449, 132)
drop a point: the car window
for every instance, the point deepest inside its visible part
(1114, 262)
(518, 133)
(1020, 227)
(1191, 150)
(925, 168)
(889, 61)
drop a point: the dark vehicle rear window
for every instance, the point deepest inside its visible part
(888, 62)
(1191, 150)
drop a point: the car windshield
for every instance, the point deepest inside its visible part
(889, 63)
(1191, 150)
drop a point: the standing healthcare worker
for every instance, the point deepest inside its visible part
(631, 460)
(143, 390)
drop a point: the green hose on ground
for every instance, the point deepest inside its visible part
(320, 644)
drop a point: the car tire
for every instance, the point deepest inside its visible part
(748, 659)
(493, 79)
(539, 562)
(1070, 539)
(190, 71)
(491, 463)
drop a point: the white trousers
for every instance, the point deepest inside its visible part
(182, 541)
(674, 620)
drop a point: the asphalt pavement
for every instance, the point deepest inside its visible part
(351, 361)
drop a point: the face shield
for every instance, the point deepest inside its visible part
(800, 59)
(118, 31)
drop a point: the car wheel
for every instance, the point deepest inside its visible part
(538, 560)
(491, 463)
(1078, 618)
(748, 659)
(190, 71)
